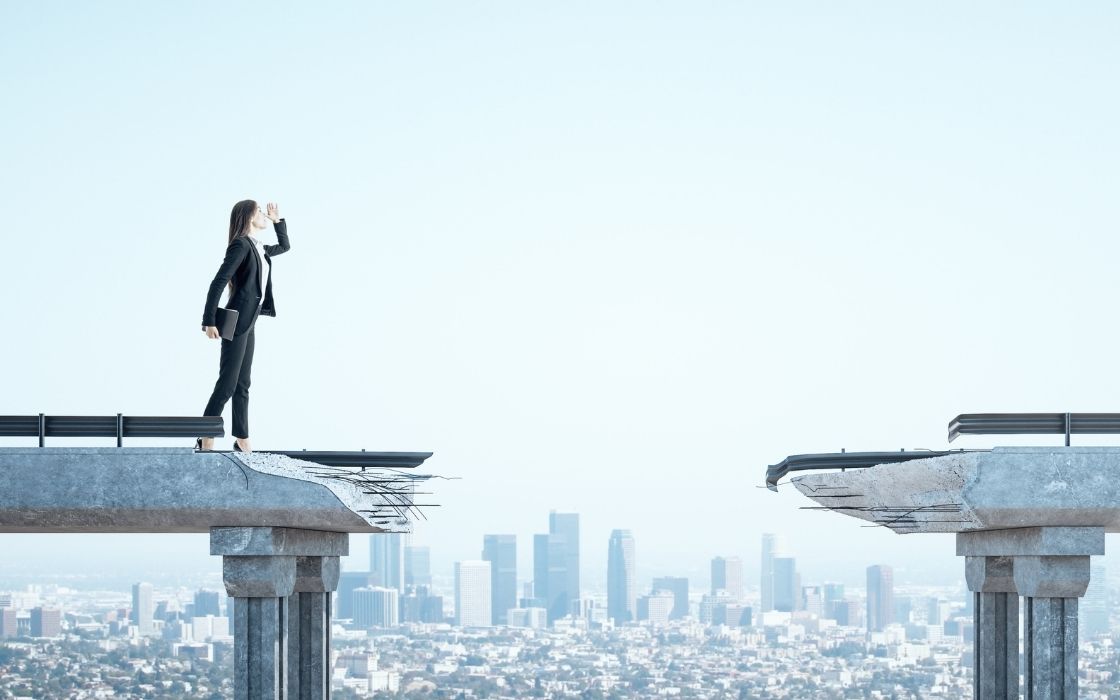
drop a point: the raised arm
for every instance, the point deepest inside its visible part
(272, 211)
(282, 245)
(235, 254)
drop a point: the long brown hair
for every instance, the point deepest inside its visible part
(239, 220)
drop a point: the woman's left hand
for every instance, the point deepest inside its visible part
(273, 212)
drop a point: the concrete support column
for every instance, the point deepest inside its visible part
(309, 624)
(261, 567)
(1050, 568)
(996, 627)
(1051, 586)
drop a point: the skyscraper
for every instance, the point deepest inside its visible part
(772, 546)
(386, 559)
(620, 577)
(786, 590)
(206, 603)
(46, 622)
(348, 582)
(417, 566)
(143, 609)
(376, 606)
(679, 588)
(472, 593)
(550, 574)
(880, 597)
(566, 525)
(727, 575)
(655, 607)
(501, 552)
(9, 626)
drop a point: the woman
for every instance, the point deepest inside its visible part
(247, 270)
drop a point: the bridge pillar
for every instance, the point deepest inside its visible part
(1050, 568)
(268, 571)
(308, 617)
(996, 627)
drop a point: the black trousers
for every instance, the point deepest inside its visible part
(236, 364)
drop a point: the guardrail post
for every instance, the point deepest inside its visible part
(120, 430)
(42, 429)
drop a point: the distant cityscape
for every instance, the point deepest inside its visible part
(486, 633)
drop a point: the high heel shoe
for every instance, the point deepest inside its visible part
(236, 447)
(198, 444)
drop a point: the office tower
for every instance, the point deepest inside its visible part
(727, 575)
(206, 603)
(786, 588)
(8, 624)
(880, 597)
(376, 606)
(937, 611)
(550, 574)
(472, 593)
(620, 577)
(46, 622)
(419, 605)
(143, 609)
(812, 600)
(528, 617)
(710, 604)
(348, 582)
(386, 559)
(679, 588)
(849, 613)
(656, 607)
(417, 566)
(5, 600)
(833, 592)
(772, 546)
(501, 552)
(903, 606)
(1093, 608)
(566, 525)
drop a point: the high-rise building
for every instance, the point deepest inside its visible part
(386, 559)
(656, 607)
(46, 622)
(9, 626)
(712, 605)
(501, 552)
(376, 606)
(566, 525)
(550, 574)
(679, 588)
(1093, 608)
(786, 590)
(937, 611)
(206, 603)
(880, 597)
(620, 577)
(419, 605)
(848, 613)
(727, 575)
(348, 582)
(417, 565)
(833, 592)
(528, 617)
(143, 609)
(772, 546)
(472, 593)
(812, 600)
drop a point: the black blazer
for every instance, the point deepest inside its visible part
(241, 265)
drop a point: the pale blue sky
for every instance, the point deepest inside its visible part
(612, 257)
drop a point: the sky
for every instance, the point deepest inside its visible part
(605, 257)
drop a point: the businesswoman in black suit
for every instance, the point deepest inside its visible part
(247, 270)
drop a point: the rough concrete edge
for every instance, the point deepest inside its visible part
(962, 467)
(348, 494)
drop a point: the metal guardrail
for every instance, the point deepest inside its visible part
(121, 426)
(118, 426)
(1034, 424)
(384, 460)
(841, 460)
